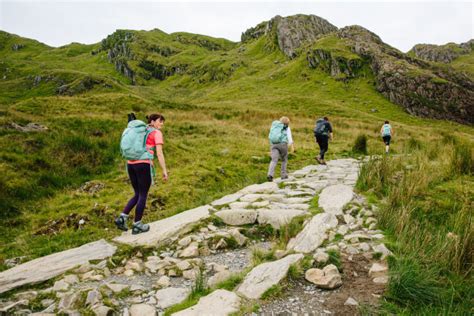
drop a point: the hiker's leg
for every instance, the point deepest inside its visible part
(284, 160)
(144, 175)
(324, 146)
(274, 162)
(132, 174)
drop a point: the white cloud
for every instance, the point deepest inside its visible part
(401, 24)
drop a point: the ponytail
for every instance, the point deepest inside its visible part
(154, 117)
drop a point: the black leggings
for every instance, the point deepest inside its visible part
(323, 142)
(140, 176)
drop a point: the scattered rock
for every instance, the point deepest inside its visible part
(142, 310)
(241, 239)
(383, 250)
(163, 281)
(103, 311)
(117, 288)
(183, 265)
(378, 270)
(381, 280)
(191, 251)
(218, 278)
(93, 297)
(60, 286)
(351, 302)
(327, 278)
(171, 296)
(69, 301)
(221, 302)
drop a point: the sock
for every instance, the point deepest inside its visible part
(124, 215)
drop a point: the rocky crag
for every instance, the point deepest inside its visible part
(335, 261)
(290, 33)
(442, 53)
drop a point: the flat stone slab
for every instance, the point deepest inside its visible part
(266, 187)
(227, 199)
(219, 302)
(48, 267)
(266, 275)
(237, 217)
(313, 234)
(333, 198)
(278, 217)
(163, 229)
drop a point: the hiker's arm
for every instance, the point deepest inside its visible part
(161, 160)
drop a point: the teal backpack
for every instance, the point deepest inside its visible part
(278, 133)
(386, 130)
(133, 141)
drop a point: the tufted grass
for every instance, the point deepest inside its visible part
(426, 208)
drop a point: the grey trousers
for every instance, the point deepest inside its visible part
(279, 151)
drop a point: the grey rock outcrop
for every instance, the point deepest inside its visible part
(291, 32)
(442, 53)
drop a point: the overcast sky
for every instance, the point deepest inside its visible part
(399, 23)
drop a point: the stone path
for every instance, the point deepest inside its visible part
(217, 242)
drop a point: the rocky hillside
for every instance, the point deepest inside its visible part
(442, 53)
(147, 57)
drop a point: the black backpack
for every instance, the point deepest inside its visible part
(321, 127)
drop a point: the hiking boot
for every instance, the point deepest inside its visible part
(121, 223)
(139, 227)
(323, 162)
(269, 178)
(319, 160)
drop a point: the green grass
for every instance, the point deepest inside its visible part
(426, 210)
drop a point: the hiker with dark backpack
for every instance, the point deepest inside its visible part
(280, 137)
(387, 132)
(138, 145)
(322, 133)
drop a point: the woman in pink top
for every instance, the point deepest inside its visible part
(140, 175)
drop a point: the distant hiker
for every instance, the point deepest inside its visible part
(387, 132)
(322, 133)
(280, 137)
(138, 145)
